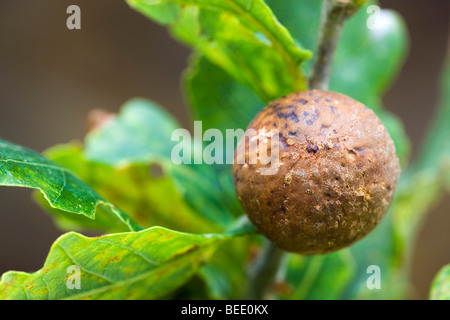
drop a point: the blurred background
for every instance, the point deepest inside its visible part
(51, 77)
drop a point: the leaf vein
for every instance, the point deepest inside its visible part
(83, 267)
(43, 165)
(146, 259)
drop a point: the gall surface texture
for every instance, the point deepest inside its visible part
(336, 175)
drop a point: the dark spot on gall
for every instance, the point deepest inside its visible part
(282, 107)
(311, 148)
(274, 105)
(288, 115)
(332, 108)
(293, 117)
(282, 140)
(302, 101)
(310, 118)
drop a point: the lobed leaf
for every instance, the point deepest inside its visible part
(21, 167)
(149, 198)
(243, 37)
(135, 265)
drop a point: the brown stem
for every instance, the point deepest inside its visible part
(264, 270)
(333, 16)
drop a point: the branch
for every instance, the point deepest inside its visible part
(264, 270)
(333, 16)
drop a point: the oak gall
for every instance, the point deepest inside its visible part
(336, 177)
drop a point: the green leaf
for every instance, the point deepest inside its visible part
(149, 198)
(243, 37)
(21, 167)
(366, 60)
(361, 51)
(223, 104)
(217, 99)
(434, 157)
(135, 265)
(141, 134)
(379, 248)
(225, 273)
(397, 132)
(230, 106)
(440, 287)
(308, 276)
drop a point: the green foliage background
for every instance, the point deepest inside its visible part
(179, 225)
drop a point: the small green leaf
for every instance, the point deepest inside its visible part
(243, 37)
(21, 167)
(440, 288)
(134, 265)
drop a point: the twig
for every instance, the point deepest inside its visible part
(264, 270)
(333, 16)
